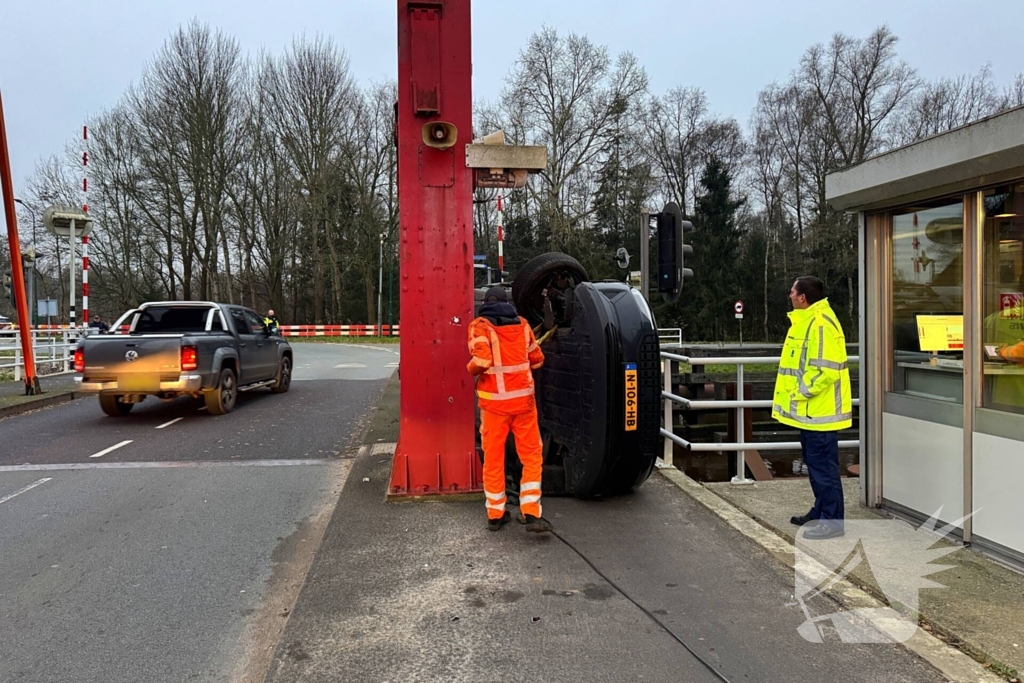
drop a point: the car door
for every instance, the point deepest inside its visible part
(248, 351)
(266, 349)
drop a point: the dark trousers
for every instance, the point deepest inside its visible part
(821, 454)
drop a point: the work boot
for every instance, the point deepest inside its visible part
(537, 525)
(495, 524)
(800, 520)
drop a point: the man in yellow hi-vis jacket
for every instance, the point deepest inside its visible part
(812, 393)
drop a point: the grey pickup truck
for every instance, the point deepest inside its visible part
(173, 348)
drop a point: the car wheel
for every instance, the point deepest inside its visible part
(114, 407)
(222, 399)
(284, 377)
(555, 272)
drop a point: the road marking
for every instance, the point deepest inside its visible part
(391, 365)
(350, 365)
(165, 464)
(24, 489)
(168, 424)
(108, 450)
(201, 409)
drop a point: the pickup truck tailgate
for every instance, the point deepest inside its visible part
(136, 363)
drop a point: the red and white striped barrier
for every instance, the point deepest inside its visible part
(339, 330)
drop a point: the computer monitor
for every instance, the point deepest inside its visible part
(940, 332)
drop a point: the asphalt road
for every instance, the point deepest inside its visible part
(169, 545)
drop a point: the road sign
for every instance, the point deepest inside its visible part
(47, 307)
(738, 307)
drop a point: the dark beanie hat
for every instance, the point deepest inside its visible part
(497, 294)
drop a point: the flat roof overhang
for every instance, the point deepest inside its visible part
(986, 152)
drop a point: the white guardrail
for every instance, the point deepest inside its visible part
(54, 351)
(739, 405)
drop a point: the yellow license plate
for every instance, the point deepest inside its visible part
(631, 397)
(138, 383)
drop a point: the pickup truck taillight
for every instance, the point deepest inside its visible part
(79, 360)
(189, 358)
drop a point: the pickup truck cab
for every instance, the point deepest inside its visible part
(169, 349)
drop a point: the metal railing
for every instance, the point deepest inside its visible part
(740, 405)
(53, 351)
(670, 336)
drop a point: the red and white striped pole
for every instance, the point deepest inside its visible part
(85, 238)
(501, 239)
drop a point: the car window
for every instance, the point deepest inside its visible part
(241, 324)
(255, 323)
(170, 319)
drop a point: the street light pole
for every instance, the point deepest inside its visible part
(380, 288)
(32, 267)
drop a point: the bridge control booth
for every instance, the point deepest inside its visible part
(941, 228)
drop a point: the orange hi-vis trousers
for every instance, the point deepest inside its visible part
(494, 430)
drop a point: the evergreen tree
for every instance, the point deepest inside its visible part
(708, 297)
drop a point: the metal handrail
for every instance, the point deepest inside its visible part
(670, 336)
(740, 405)
(53, 350)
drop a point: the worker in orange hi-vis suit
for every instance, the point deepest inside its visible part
(505, 353)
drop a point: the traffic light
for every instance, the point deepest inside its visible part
(672, 251)
(9, 286)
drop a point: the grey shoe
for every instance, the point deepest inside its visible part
(823, 531)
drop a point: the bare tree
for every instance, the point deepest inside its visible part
(563, 93)
(948, 103)
(311, 96)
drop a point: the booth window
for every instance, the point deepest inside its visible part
(927, 301)
(1003, 303)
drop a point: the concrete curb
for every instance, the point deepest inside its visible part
(43, 401)
(954, 664)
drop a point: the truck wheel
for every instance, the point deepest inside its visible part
(555, 272)
(284, 377)
(221, 400)
(113, 407)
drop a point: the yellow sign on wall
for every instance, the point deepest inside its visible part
(941, 332)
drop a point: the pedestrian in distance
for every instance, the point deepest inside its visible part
(812, 394)
(504, 355)
(98, 325)
(270, 320)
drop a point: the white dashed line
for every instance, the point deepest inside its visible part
(201, 409)
(26, 488)
(350, 365)
(108, 450)
(168, 424)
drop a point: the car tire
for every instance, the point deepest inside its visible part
(284, 377)
(221, 400)
(113, 407)
(554, 269)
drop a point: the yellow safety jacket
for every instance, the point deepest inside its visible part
(812, 390)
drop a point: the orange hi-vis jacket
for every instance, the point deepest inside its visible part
(504, 357)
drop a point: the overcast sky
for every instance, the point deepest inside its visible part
(62, 60)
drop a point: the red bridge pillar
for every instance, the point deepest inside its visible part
(436, 445)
